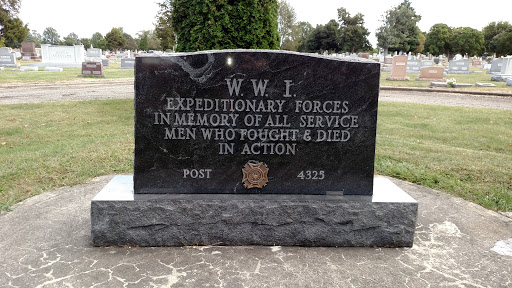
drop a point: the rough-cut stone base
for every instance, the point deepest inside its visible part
(386, 219)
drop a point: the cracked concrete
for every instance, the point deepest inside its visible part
(45, 242)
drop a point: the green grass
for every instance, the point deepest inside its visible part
(456, 150)
(48, 145)
(68, 74)
(466, 152)
(472, 78)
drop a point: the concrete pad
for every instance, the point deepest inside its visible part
(479, 84)
(461, 85)
(29, 68)
(45, 242)
(438, 84)
(53, 69)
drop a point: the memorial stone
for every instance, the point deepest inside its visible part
(104, 62)
(413, 66)
(436, 60)
(253, 147)
(505, 72)
(62, 56)
(427, 63)
(127, 63)
(7, 58)
(458, 67)
(92, 69)
(496, 65)
(94, 53)
(363, 55)
(388, 60)
(399, 70)
(431, 74)
(476, 63)
(28, 51)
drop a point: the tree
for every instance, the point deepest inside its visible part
(143, 43)
(163, 28)
(86, 42)
(467, 40)
(352, 33)
(304, 30)
(492, 30)
(34, 37)
(421, 40)
(224, 24)
(10, 6)
(115, 39)
(130, 43)
(438, 40)
(50, 36)
(12, 30)
(503, 43)
(399, 30)
(98, 41)
(286, 22)
(71, 39)
(324, 38)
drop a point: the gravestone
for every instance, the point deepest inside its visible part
(388, 60)
(62, 56)
(431, 74)
(458, 66)
(399, 70)
(496, 65)
(7, 58)
(436, 60)
(476, 63)
(28, 51)
(427, 63)
(505, 72)
(254, 147)
(94, 53)
(363, 55)
(413, 66)
(92, 69)
(127, 63)
(104, 62)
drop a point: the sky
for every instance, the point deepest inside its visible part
(84, 18)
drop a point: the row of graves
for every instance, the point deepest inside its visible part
(55, 58)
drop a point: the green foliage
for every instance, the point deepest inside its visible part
(353, 35)
(504, 43)
(399, 30)
(10, 6)
(115, 39)
(286, 25)
(34, 37)
(163, 29)
(98, 41)
(12, 30)
(143, 43)
(467, 40)
(50, 36)
(438, 39)
(492, 30)
(224, 24)
(421, 40)
(130, 42)
(86, 42)
(304, 30)
(71, 39)
(324, 38)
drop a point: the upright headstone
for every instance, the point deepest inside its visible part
(496, 65)
(458, 67)
(431, 74)
(7, 58)
(363, 55)
(413, 66)
(505, 72)
(94, 53)
(227, 142)
(388, 60)
(399, 70)
(476, 63)
(127, 63)
(63, 56)
(92, 69)
(427, 63)
(28, 51)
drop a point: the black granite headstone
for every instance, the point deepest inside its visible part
(252, 121)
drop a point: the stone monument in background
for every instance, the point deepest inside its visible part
(399, 69)
(254, 147)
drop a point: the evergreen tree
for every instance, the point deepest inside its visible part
(163, 29)
(115, 39)
(438, 39)
(50, 36)
(353, 35)
(224, 24)
(12, 29)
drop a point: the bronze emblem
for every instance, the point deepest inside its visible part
(255, 175)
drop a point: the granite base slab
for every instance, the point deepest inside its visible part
(386, 219)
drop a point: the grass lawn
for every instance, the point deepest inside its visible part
(463, 151)
(68, 74)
